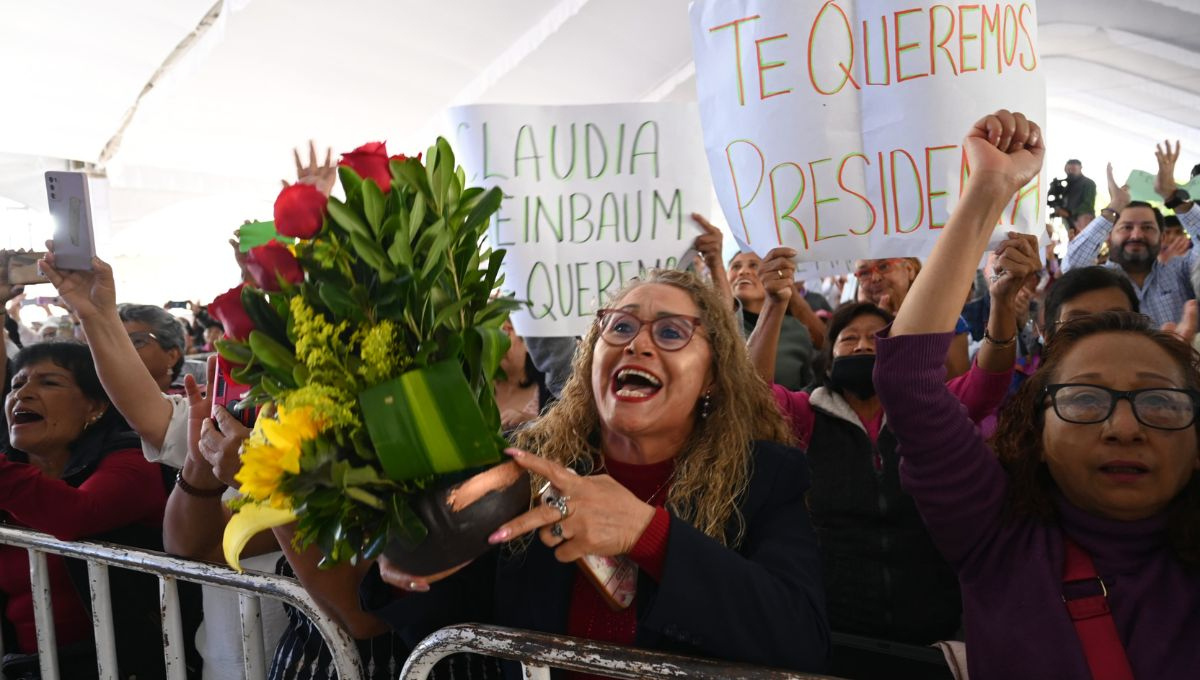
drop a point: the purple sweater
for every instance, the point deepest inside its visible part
(1011, 573)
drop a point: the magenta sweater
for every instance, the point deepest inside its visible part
(1011, 573)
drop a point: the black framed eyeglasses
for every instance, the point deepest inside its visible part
(1163, 408)
(669, 333)
(142, 338)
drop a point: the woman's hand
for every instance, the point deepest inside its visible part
(777, 273)
(221, 445)
(396, 578)
(1016, 263)
(710, 243)
(88, 293)
(1005, 145)
(603, 518)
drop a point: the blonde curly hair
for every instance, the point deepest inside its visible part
(713, 468)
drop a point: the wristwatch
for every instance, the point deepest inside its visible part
(1177, 199)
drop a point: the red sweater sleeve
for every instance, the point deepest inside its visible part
(796, 408)
(651, 549)
(125, 489)
(981, 391)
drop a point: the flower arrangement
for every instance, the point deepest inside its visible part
(372, 334)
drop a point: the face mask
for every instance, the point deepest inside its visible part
(853, 374)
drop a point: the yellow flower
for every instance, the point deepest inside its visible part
(331, 406)
(272, 451)
(379, 355)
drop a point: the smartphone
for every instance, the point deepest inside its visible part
(23, 269)
(71, 208)
(615, 577)
(231, 396)
(177, 304)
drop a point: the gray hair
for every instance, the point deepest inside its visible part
(163, 324)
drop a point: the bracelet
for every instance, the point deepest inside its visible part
(999, 344)
(198, 492)
(1115, 214)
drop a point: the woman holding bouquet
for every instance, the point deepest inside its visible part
(664, 450)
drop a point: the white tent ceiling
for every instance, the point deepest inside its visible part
(206, 146)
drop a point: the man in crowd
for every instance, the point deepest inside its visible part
(1134, 231)
(1079, 203)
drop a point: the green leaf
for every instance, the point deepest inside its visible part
(448, 311)
(483, 210)
(257, 234)
(410, 175)
(373, 204)
(263, 314)
(416, 218)
(365, 497)
(271, 353)
(347, 219)
(370, 252)
(390, 227)
(493, 346)
(349, 178)
(339, 301)
(234, 351)
(401, 253)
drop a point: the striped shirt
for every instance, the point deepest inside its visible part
(1168, 286)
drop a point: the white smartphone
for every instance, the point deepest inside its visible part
(71, 208)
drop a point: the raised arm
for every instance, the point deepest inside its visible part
(1083, 251)
(803, 312)
(1005, 152)
(1016, 263)
(776, 273)
(709, 245)
(92, 295)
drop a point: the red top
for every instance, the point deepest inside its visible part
(590, 616)
(124, 490)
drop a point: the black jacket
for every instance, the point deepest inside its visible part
(883, 575)
(761, 603)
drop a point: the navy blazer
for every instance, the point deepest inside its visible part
(760, 603)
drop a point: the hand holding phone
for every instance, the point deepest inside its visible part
(71, 208)
(231, 396)
(614, 576)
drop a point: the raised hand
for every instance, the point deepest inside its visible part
(1164, 181)
(709, 243)
(1173, 248)
(7, 290)
(1006, 145)
(322, 176)
(87, 293)
(603, 518)
(1016, 263)
(1118, 195)
(778, 272)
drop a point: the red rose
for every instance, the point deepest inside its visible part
(228, 309)
(269, 263)
(300, 211)
(401, 157)
(370, 161)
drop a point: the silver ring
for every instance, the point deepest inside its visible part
(412, 585)
(556, 530)
(780, 272)
(560, 504)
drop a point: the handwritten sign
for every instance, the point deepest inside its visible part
(835, 127)
(593, 197)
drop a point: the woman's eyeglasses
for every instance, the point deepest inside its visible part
(881, 267)
(142, 338)
(669, 333)
(1161, 408)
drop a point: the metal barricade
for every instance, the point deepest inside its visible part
(539, 652)
(169, 570)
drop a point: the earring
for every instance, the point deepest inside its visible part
(705, 403)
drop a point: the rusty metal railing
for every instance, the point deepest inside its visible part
(539, 652)
(169, 570)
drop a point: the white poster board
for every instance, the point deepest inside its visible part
(593, 196)
(835, 127)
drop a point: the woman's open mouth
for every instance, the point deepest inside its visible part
(635, 384)
(25, 417)
(1124, 471)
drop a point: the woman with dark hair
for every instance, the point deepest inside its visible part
(1087, 290)
(676, 444)
(522, 393)
(1077, 537)
(72, 469)
(883, 576)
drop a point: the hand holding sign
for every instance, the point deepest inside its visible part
(778, 273)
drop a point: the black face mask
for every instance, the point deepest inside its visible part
(853, 374)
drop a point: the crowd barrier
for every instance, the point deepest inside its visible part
(539, 652)
(169, 570)
(536, 652)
